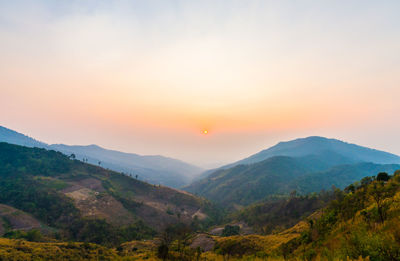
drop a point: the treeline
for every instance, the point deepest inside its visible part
(363, 220)
(281, 212)
(20, 188)
(19, 161)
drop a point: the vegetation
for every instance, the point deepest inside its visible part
(281, 212)
(230, 231)
(33, 235)
(155, 169)
(45, 203)
(360, 222)
(243, 185)
(63, 193)
(363, 221)
(11, 250)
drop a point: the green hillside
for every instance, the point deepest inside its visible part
(84, 202)
(363, 221)
(154, 169)
(360, 222)
(280, 213)
(246, 184)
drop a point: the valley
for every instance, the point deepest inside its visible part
(278, 208)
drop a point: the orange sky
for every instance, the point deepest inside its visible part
(148, 77)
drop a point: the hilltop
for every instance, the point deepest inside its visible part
(154, 169)
(303, 165)
(316, 145)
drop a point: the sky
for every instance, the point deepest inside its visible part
(149, 77)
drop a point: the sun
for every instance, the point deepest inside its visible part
(205, 132)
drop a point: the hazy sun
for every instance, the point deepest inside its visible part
(205, 131)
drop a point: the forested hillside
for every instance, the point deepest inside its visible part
(245, 184)
(79, 201)
(154, 169)
(55, 199)
(363, 220)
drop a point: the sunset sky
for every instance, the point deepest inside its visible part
(150, 76)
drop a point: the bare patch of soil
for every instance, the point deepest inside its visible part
(204, 242)
(100, 205)
(17, 219)
(200, 215)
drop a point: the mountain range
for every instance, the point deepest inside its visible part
(153, 168)
(303, 165)
(50, 197)
(316, 145)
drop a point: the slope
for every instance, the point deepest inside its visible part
(76, 197)
(245, 184)
(363, 222)
(153, 169)
(319, 145)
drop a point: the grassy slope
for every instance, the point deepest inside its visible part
(27, 251)
(361, 223)
(350, 226)
(278, 214)
(57, 191)
(364, 221)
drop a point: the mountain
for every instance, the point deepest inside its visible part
(153, 169)
(81, 200)
(338, 176)
(13, 137)
(318, 145)
(305, 165)
(246, 184)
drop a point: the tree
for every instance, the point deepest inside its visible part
(72, 156)
(379, 193)
(366, 181)
(179, 233)
(383, 176)
(230, 231)
(162, 251)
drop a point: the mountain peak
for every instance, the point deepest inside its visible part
(314, 145)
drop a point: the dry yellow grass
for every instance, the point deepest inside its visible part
(23, 250)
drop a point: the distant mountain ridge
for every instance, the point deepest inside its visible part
(152, 168)
(13, 137)
(305, 165)
(317, 145)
